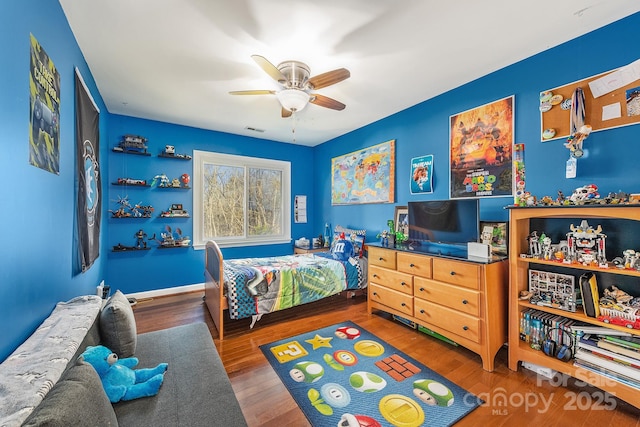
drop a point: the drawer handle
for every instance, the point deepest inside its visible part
(421, 311)
(412, 265)
(403, 304)
(453, 273)
(466, 328)
(421, 289)
(375, 275)
(464, 301)
(380, 259)
(403, 283)
(375, 294)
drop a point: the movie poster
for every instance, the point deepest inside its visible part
(44, 101)
(422, 174)
(480, 150)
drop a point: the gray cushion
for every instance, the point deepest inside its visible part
(118, 326)
(78, 399)
(196, 390)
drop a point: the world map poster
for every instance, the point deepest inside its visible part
(364, 176)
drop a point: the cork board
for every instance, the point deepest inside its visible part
(558, 119)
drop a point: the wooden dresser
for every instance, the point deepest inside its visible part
(465, 301)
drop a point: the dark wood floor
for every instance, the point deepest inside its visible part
(512, 398)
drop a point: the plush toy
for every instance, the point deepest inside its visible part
(119, 379)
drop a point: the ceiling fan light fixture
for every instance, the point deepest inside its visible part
(293, 99)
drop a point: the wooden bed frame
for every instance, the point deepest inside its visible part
(214, 296)
(214, 286)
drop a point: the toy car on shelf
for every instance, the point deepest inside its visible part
(168, 240)
(132, 144)
(131, 181)
(176, 211)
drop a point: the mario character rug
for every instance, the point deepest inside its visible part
(343, 375)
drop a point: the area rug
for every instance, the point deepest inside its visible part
(343, 375)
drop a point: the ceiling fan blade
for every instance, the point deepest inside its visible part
(270, 69)
(286, 113)
(329, 78)
(325, 101)
(253, 92)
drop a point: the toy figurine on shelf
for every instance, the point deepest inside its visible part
(162, 180)
(535, 249)
(586, 245)
(141, 243)
(168, 240)
(121, 211)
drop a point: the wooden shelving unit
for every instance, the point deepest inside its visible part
(520, 351)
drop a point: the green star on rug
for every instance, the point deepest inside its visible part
(319, 341)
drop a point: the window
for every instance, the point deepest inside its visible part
(240, 201)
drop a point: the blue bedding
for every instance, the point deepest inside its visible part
(256, 286)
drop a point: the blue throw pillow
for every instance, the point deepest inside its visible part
(342, 250)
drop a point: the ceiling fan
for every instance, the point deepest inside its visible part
(297, 86)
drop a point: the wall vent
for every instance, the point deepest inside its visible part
(254, 129)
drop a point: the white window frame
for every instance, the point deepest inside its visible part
(200, 158)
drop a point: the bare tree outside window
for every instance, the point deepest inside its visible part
(241, 200)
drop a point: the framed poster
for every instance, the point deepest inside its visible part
(421, 174)
(481, 151)
(401, 219)
(495, 234)
(364, 176)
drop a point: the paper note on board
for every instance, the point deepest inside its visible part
(615, 80)
(611, 111)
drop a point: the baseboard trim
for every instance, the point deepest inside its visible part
(166, 291)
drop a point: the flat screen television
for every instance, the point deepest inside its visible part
(440, 224)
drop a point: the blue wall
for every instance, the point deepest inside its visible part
(38, 207)
(157, 269)
(610, 163)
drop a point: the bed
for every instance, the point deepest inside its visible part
(253, 287)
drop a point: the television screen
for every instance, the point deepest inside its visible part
(443, 221)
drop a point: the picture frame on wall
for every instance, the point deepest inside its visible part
(496, 234)
(401, 219)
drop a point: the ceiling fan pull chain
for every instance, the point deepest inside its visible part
(293, 125)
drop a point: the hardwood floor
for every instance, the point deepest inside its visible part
(512, 398)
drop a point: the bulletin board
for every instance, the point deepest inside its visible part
(558, 119)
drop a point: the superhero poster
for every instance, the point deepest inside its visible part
(44, 97)
(481, 151)
(422, 174)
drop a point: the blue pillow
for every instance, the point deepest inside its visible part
(342, 250)
(356, 237)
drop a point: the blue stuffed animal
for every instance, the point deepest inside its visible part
(119, 379)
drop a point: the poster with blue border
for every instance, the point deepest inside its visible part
(421, 174)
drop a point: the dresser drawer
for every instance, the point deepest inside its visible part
(457, 273)
(391, 279)
(453, 321)
(460, 299)
(382, 257)
(419, 265)
(393, 299)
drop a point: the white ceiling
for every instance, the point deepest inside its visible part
(176, 60)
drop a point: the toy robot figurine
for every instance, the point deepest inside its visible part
(586, 245)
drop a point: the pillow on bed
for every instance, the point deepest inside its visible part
(355, 236)
(118, 326)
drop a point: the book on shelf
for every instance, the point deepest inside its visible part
(590, 295)
(608, 345)
(592, 344)
(607, 373)
(583, 328)
(619, 368)
(630, 341)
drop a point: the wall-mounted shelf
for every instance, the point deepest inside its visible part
(121, 248)
(139, 153)
(175, 156)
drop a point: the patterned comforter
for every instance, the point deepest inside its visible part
(256, 286)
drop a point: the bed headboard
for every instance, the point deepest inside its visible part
(214, 285)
